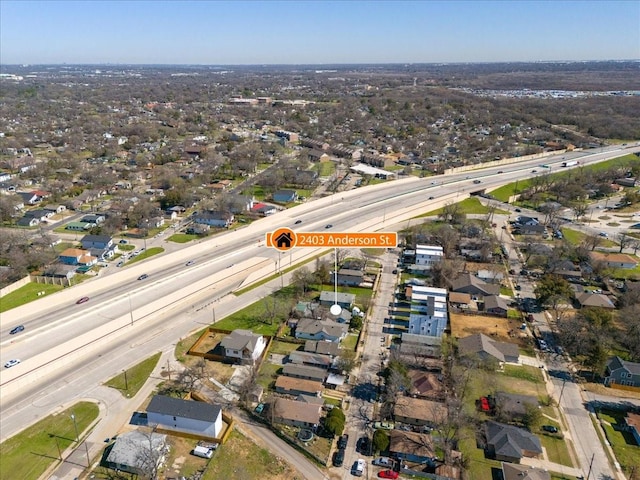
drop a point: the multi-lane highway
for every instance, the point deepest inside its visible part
(63, 342)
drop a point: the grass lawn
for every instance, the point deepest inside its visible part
(524, 372)
(182, 238)
(28, 454)
(26, 294)
(249, 318)
(556, 448)
(623, 444)
(326, 169)
(268, 373)
(467, 206)
(283, 348)
(132, 379)
(150, 252)
(241, 459)
(350, 342)
(479, 466)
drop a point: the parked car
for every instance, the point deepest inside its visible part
(358, 467)
(343, 441)
(550, 428)
(517, 210)
(383, 425)
(388, 474)
(383, 462)
(82, 300)
(17, 329)
(12, 363)
(603, 234)
(259, 408)
(364, 445)
(338, 457)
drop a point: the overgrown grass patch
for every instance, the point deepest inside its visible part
(150, 252)
(25, 294)
(622, 442)
(130, 381)
(524, 372)
(28, 454)
(182, 238)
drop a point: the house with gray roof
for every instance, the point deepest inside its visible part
(214, 218)
(486, 347)
(136, 452)
(513, 471)
(496, 305)
(305, 372)
(327, 330)
(621, 372)
(328, 298)
(243, 346)
(514, 404)
(508, 443)
(589, 299)
(200, 419)
(311, 359)
(323, 347)
(468, 283)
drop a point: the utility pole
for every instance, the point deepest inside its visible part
(590, 465)
(564, 382)
(126, 382)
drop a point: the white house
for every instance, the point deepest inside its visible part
(428, 255)
(243, 346)
(428, 314)
(186, 416)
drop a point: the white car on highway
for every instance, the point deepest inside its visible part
(11, 363)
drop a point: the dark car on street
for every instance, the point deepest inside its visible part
(338, 458)
(550, 428)
(17, 329)
(83, 300)
(364, 446)
(342, 441)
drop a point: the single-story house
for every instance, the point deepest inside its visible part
(28, 222)
(186, 416)
(514, 471)
(96, 218)
(426, 384)
(350, 277)
(508, 443)
(39, 213)
(214, 218)
(459, 299)
(264, 209)
(490, 276)
(306, 372)
(132, 451)
(614, 260)
(474, 286)
(285, 196)
(411, 446)
(311, 359)
(323, 347)
(243, 346)
(621, 372)
(79, 226)
(296, 386)
(296, 413)
(531, 229)
(328, 298)
(76, 256)
(100, 242)
(327, 330)
(588, 299)
(633, 425)
(418, 411)
(417, 345)
(484, 347)
(496, 305)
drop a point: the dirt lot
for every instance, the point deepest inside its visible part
(496, 327)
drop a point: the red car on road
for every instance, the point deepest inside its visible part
(388, 474)
(83, 300)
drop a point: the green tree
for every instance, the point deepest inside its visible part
(380, 441)
(532, 417)
(334, 422)
(552, 289)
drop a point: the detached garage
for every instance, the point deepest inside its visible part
(195, 418)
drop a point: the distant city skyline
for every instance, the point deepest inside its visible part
(316, 32)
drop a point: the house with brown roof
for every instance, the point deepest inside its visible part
(77, 256)
(496, 305)
(589, 299)
(411, 446)
(426, 384)
(297, 386)
(296, 413)
(486, 347)
(418, 411)
(615, 260)
(514, 471)
(469, 283)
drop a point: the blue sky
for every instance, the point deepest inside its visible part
(316, 32)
